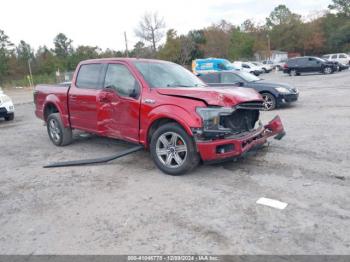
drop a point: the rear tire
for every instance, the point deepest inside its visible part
(293, 72)
(173, 150)
(59, 135)
(10, 117)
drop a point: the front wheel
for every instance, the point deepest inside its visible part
(269, 101)
(10, 117)
(327, 70)
(173, 150)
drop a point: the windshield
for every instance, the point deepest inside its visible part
(167, 75)
(228, 65)
(320, 59)
(248, 76)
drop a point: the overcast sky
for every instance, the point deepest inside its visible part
(102, 22)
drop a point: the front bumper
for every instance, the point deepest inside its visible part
(231, 147)
(287, 98)
(4, 112)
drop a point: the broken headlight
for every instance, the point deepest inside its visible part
(211, 117)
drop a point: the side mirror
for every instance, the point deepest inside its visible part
(133, 93)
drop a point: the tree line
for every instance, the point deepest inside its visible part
(327, 32)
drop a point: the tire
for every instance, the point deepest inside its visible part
(293, 72)
(10, 117)
(269, 101)
(59, 135)
(327, 70)
(172, 161)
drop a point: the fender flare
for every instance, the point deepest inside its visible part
(175, 113)
(54, 100)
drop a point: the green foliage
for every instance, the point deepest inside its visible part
(63, 46)
(340, 39)
(241, 45)
(82, 53)
(341, 6)
(5, 52)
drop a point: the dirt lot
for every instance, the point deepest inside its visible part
(129, 207)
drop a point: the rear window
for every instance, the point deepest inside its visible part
(89, 76)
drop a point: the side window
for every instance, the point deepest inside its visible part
(221, 66)
(89, 76)
(342, 56)
(119, 78)
(210, 78)
(326, 56)
(334, 56)
(245, 66)
(229, 78)
(302, 61)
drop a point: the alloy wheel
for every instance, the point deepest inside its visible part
(54, 129)
(171, 150)
(269, 103)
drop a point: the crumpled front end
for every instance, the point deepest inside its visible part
(234, 133)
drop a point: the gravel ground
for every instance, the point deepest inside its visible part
(129, 207)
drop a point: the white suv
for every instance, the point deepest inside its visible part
(7, 110)
(341, 58)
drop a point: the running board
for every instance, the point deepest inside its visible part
(96, 160)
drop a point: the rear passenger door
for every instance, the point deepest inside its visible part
(302, 65)
(82, 97)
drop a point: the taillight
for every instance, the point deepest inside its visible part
(285, 66)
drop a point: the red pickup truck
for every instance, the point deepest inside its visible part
(159, 105)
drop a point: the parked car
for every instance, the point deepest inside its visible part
(341, 58)
(207, 65)
(267, 68)
(248, 67)
(274, 94)
(278, 65)
(7, 109)
(308, 64)
(159, 105)
(338, 66)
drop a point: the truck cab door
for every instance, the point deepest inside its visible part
(82, 97)
(119, 104)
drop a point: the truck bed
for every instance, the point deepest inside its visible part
(60, 91)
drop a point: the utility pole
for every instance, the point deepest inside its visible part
(268, 47)
(126, 45)
(31, 82)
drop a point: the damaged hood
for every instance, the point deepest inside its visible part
(214, 96)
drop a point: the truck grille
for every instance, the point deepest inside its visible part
(253, 105)
(241, 120)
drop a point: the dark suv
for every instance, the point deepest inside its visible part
(308, 64)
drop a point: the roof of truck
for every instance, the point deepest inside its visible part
(125, 59)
